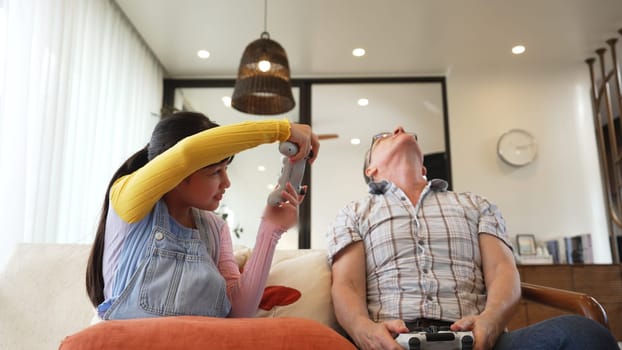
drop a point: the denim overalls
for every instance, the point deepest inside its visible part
(176, 276)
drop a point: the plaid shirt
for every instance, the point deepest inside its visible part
(423, 260)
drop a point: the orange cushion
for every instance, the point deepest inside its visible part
(195, 332)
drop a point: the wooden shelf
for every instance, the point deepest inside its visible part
(601, 281)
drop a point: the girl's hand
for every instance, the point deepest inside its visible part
(306, 140)
(286, 214)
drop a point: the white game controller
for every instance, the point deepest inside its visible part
(290, 172)
(436, 338)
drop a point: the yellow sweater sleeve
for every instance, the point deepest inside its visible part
(134, 195)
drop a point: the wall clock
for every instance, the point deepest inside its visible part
(517, 147)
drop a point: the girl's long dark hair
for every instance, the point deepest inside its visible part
(166, 133)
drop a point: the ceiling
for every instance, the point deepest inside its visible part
(401, 37)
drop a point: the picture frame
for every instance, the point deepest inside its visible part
(526, 244)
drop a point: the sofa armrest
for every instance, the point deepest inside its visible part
(578, 303)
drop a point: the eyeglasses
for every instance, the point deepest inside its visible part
(382, 135)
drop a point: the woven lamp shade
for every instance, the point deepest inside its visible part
(266, 92)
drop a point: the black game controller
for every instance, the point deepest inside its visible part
(290, 172)
(433, 337)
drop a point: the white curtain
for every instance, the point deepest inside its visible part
(79, 93)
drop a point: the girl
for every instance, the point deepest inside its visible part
(159, 250)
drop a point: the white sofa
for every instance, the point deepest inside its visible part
(43, 297)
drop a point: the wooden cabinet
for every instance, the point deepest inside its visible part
(603, 282)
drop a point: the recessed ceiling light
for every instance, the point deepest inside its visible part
(363, 102)
(227, 101)
(358, 52)
(261, 168)
(203, 53)
(270, 187)
(355, 141)
(518, 49)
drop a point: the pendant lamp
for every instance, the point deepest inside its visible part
(263, 85)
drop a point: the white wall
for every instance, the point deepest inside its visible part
(560, 194)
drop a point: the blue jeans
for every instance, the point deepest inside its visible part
(569, 332)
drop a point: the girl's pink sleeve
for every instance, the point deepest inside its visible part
(246, 289)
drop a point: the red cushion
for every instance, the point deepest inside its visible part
(194, 332)
(278, 296)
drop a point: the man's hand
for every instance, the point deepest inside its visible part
(380, 336)
(485, 330)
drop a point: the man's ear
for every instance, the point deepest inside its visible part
(371, 171)
(424, 171)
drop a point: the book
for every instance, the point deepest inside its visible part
(553, 249)
(579, 249)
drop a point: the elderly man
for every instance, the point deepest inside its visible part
(411, 254)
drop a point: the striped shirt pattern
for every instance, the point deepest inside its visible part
(423, 260)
